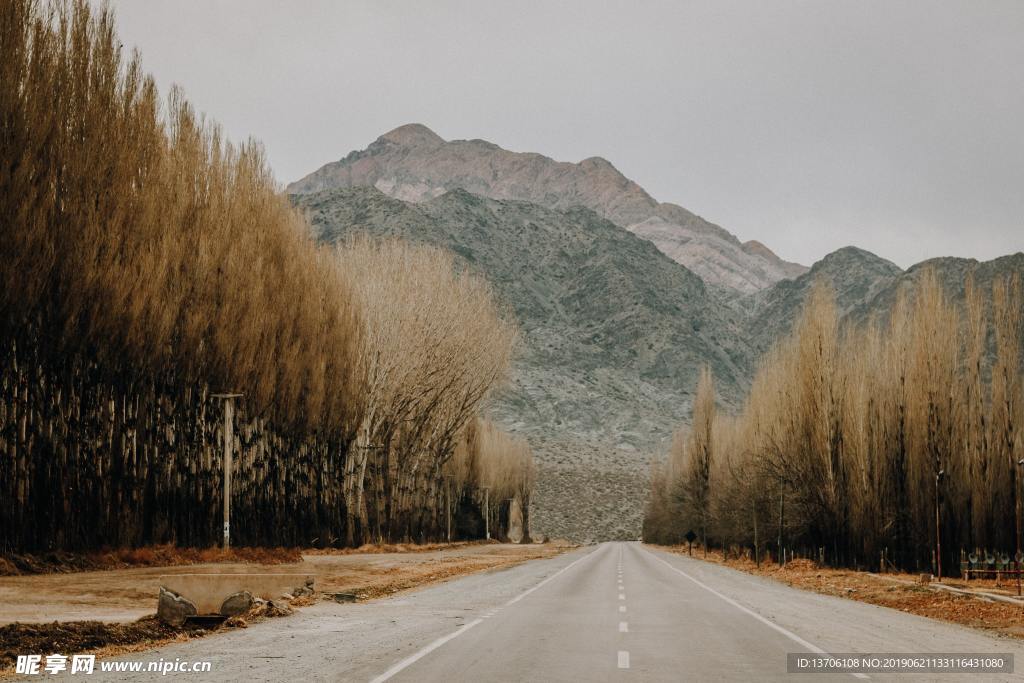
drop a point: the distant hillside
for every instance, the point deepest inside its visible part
(953, 273)
(620, 299)
(856, 276)
(414, 164)
(605, 312)
(614, 332)
(866, 286)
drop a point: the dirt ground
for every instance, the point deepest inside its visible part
(111, 611)
(128, 594)
(896, 591)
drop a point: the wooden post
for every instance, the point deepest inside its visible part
(229, 440)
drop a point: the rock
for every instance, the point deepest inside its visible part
(173, 609)
(237, 603)
(304, 590)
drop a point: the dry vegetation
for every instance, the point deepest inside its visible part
(852, 437)
(149, 556)
(148, 264)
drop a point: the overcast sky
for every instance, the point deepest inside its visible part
(894, 126)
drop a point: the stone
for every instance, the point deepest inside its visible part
(173, 609)
(237, 603)
(304, 590)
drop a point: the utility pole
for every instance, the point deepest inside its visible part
(448, 506)
(782, 513)
(487, 512)
(938, 528)
(757, 553)
(1018, 556)
(229, 441)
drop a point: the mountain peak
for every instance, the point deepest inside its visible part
(844, 256)
(413, 135)
(412, 163)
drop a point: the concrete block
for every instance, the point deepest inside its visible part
(208, 593)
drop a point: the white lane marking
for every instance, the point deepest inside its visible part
(622, 608)
(623, 627)
(550, 578)
(767, 622)
(412, 659)
(623, 659)
(424, 652)
(622, 596)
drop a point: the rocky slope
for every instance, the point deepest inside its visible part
(856, 277)
(614, 334)
(414, 164)
(952, 272)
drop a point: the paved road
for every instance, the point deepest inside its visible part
(615, 612)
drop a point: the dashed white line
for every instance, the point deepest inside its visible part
(623, 627)
(623, 659)
(550, 578)
(622, 596)
(622, 608)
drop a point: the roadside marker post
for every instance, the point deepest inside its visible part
(229, 440)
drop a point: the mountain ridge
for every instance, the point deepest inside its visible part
(415, 164)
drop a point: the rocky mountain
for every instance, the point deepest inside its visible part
(866, 286)
(614, 334)
(856, 276)
(952, 272)
(414, 164)
(620, 299)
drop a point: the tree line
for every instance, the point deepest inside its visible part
(148, 264)
(889, 438)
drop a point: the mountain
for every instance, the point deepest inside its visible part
(866, 287)
(952, 273)
(620, 299)
(614, 334)
(414, 164)
(856, 276)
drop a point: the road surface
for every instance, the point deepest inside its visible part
(614, 612)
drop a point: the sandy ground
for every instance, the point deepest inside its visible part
(128, 594)
(897, 591)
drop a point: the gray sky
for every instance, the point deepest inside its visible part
(894, 126)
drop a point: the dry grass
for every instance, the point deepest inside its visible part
(148, 556)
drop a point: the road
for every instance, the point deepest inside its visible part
(617, 611)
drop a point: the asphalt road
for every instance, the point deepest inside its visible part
(615, 612)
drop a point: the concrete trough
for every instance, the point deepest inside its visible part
(189, 595)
